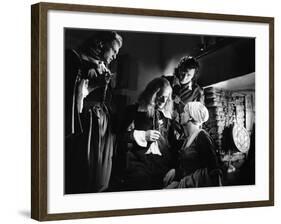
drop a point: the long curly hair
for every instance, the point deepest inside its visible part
(147, 98)
(188, 62)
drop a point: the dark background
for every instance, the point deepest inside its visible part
(145, 56)
(226, 63)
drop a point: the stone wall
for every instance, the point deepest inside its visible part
(226, 108)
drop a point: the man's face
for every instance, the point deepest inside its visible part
(185, 76)
(110, 52)
(162, 97)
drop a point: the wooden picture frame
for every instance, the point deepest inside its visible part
(40, 102)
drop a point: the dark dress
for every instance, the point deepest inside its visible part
(89, 141)
(198, 163)
(146, 171)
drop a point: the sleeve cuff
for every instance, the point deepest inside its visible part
(139, 137)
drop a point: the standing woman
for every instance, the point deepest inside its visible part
(198, 162)
(89, 140)
(146, 129)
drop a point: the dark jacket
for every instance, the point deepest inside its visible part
(186, 95)
(146, 171)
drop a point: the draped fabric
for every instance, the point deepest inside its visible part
(89, 141)
(99, 148)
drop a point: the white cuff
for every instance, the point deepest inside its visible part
(139, 137)
(154, 149)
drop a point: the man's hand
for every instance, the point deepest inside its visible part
(172, 185)
(152, 135)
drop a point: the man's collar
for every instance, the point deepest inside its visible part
(166, 114)
(91, 59)
(190, 85)
(187, 85)
(100, 65)
(176, 82)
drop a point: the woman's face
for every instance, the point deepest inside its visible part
(186, 76)
(162, 98)
(184, 118)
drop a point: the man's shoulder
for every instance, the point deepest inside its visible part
(170, 78)
(198, 88)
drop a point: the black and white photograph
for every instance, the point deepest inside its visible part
(157, 111)
(138, 111)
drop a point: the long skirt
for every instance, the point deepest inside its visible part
(88, 162)
(100, 148)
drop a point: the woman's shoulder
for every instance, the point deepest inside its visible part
(203, 136)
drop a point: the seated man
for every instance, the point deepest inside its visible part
(146, 127)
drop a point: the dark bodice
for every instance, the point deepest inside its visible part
(199, 155)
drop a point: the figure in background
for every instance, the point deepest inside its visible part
(184, 84)
(89, 140)
(198, 163)
(146, 130)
